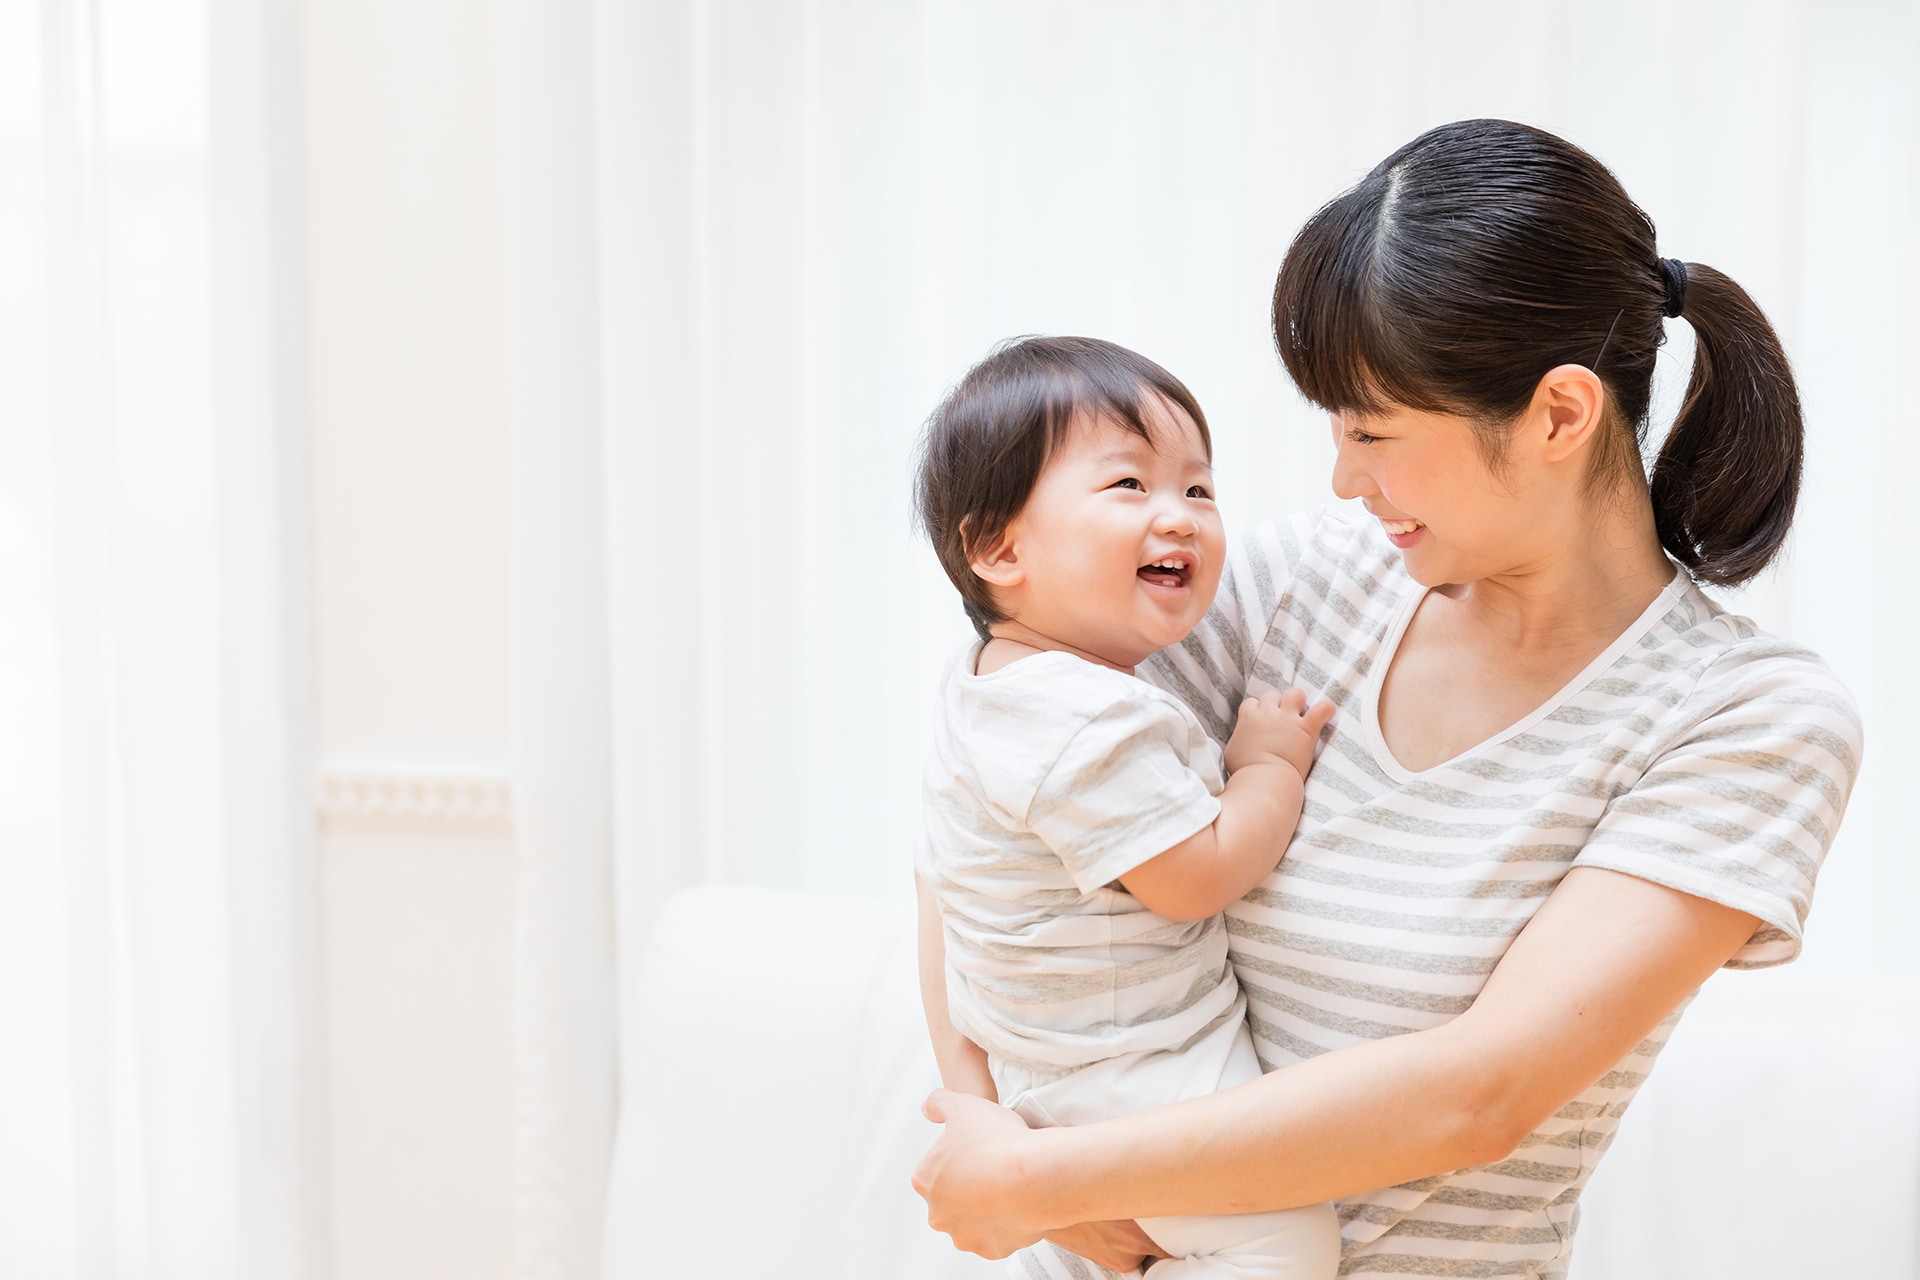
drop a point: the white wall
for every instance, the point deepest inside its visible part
(410, 505)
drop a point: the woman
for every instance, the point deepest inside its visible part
(1563, 786)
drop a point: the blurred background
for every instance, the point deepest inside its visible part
(453, 493)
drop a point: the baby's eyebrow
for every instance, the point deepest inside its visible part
(1130, 454)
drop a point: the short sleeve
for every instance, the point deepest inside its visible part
(1209, 669)
(1742, 807)
(1124, 789)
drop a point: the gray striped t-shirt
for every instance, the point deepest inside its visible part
(1048, 780)
(1697, 752)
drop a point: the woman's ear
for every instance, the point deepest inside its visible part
(1569, 410)
(997, 561)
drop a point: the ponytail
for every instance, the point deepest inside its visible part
(1484, 253)
(1728, 476)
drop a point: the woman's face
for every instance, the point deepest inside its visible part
(1424, 477)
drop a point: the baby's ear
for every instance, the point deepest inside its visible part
(995, 561)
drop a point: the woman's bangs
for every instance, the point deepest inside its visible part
(1326, 318)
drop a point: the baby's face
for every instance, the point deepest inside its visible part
(1120, 545)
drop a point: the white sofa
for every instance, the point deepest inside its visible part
(771, 1119)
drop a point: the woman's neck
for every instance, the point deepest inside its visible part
(1479, 657)
(1586, 586)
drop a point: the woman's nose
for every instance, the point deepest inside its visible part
(1350, 479)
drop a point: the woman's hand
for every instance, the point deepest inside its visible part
(1118, 1246)
(969, 1176)
(968, 1181)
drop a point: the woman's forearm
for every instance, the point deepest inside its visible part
(1603, 961)
(962, 1063)
(1371, 1116)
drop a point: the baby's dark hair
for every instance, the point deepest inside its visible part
(985, 446)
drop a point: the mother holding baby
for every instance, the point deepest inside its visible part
(1563, 785)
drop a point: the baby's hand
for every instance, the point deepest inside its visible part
(1277, 728)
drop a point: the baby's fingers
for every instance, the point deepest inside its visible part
(1293, 700)
(1315, 718)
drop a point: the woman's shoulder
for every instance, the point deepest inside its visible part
(1753, 701)
(1327, 541)
(1750, 749)
(1729, 658)
(1330, 561)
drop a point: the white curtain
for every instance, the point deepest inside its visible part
(801, 222)
(157, 975)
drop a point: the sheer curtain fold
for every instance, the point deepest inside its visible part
(561, 727)
(261, 480)
(158, 977)
(799, 223)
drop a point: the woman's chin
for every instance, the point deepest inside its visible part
(1428, 569)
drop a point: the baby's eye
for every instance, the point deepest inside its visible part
(1128, 483)
(1200, 491)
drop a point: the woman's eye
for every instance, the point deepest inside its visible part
(1128, 483)
(1200, 491)
(1360, 437)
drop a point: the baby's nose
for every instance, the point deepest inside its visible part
(1174, 518)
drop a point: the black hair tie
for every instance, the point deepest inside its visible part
(1674, 272)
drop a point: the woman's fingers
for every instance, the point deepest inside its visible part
(944, 1106)
(1117, 1246)
(965, 1175)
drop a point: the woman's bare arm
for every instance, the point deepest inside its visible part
(1603, 961)
(963, 1064)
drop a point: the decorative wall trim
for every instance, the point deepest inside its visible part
(465, 796)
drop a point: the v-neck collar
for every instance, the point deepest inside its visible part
(1375, 737)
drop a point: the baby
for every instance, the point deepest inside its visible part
(1080, 839)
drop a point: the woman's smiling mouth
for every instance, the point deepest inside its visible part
(1401, 533)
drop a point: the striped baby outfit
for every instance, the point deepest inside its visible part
(1047, 781)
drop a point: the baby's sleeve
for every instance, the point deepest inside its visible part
(1742, 808)
(1124, 789)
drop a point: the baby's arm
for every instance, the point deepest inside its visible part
(963, 1064)
(1268, 757)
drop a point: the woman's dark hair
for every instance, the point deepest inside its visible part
(1483, 254)
(985, 446)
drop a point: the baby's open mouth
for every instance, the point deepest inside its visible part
(1168, 571)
